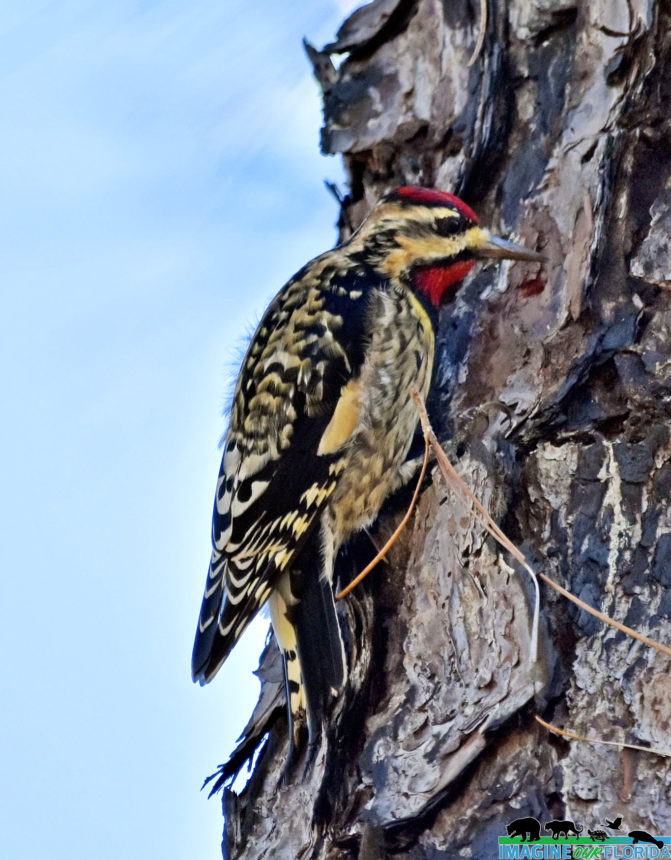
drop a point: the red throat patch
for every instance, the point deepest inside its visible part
(434, 282)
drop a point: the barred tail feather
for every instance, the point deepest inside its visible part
(318, 636)
(302, 609)
(285, 634)
(320, 650)
(210, 648)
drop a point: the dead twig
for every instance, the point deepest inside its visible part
(481, 34)
(605, 618)
(619, 744)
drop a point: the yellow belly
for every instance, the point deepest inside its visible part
(400, 360)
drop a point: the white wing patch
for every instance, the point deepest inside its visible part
(256, 489)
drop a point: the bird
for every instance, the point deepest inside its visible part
(321, 423)
(615, 823)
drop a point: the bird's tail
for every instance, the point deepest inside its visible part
(306, 625)
(210, 647)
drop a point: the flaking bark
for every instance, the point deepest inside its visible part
(552, 395)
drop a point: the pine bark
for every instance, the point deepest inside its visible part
(553, 398)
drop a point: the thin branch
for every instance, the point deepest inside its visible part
(619, 744)
(605, 618)
(481, 34)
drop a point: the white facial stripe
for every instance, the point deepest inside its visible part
(428, 248)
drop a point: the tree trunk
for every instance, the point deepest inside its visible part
(552, 397)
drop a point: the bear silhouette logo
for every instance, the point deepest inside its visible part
(562, 828)
(522, 827)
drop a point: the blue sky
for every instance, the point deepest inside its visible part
(159, 181)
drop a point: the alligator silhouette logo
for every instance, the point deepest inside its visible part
(562, 828)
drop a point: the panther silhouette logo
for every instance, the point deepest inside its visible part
(562, 828)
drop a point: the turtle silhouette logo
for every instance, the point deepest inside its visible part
(526, 838)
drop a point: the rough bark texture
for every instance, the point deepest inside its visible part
(552, 394)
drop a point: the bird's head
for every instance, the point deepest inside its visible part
(430, 240)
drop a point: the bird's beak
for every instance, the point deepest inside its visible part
(500, 249)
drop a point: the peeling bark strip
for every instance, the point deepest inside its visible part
(555, 400)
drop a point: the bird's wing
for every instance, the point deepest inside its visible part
(294, 408)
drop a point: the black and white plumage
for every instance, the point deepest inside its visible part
(321, 424)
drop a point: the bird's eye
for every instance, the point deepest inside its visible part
(447, 226)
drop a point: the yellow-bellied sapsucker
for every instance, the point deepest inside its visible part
(320, 428)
